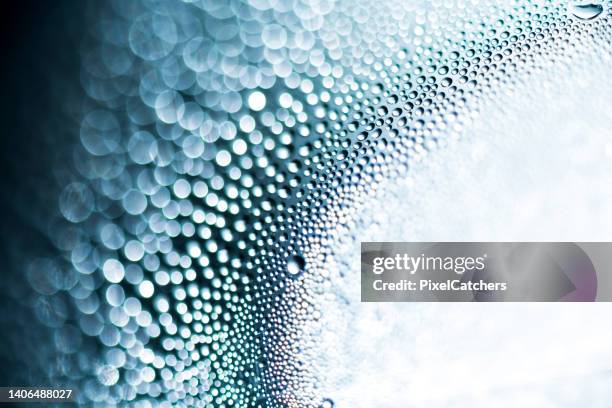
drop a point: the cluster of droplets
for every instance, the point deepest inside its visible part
(223, 148)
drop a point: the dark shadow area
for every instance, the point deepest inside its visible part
(39, 71)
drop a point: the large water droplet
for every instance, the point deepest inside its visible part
(586, 11)
(327, 403)
(295, 264)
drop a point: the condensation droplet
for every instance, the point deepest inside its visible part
(327, 403)
(295, 264)
(586, 11)
(257, 101)
(108, 375)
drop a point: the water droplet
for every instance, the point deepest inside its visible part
(108, 375)
(295, 264)
(76, 202)
(586, 11)
(257, 101)
(327, 403)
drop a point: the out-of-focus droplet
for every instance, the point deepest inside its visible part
(257, 101)
(108, 375)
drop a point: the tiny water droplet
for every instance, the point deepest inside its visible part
(586, 11)
(295, 264)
